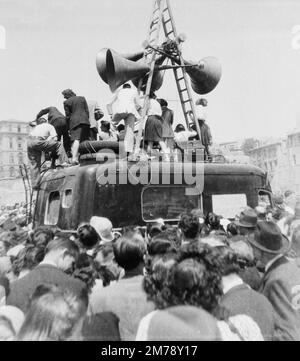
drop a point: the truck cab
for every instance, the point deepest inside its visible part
(131, 193)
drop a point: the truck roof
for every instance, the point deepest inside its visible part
(176, 167)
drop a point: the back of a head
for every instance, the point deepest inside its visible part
(52, 316)
(189, 225)
(88, 237)
(28, 258)
(162, 102)
(192, 281)
(42, 236)
(157, 270)
(63, 244)
(213, 221)
(68, 93)
(160, 244)
(179, 128)
(195, 279)
(228, 259)
(129, 251)
(232, 229)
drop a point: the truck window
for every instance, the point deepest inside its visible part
(167, 202)
(52, 211)
(67, 198)
(264, 197)
(228, 205)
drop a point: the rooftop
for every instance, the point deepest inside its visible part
(13, 121)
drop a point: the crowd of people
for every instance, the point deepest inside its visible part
(205, 278)
(61, 134)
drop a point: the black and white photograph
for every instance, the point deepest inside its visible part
(149, 173)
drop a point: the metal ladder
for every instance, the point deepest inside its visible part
(28, 191)
(162, 15)
(150, 56)
(181, 77)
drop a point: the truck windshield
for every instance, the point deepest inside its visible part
(228, 205)
(167, 202)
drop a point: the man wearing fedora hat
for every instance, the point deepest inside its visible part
(247, 221)
(281, 281)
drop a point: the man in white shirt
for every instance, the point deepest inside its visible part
(125, 105)
(201, 109)
(95, 114)
(43, 138)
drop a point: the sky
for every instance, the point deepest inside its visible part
(52, 45)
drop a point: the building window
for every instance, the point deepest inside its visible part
(19, 128)
(11, 158)
(9, 128)
(10, 143)
(11, 172)
(67, 198)
(294, 159)
(20, 158)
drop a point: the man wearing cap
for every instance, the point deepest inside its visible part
(104, 228)
(281, 281)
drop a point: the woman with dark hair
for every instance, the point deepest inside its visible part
(87, 236)
(86, 270)
(184, 289)
(232, 230)
(213, 223)
(77, 117)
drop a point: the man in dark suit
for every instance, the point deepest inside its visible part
(167, 122)
(60, 257)
(58, 120)
(281, 281)
(239, 298)
(77, 116)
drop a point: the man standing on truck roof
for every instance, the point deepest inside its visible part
(43, 138)
(95, 114)
(58, 120)
(77, 116)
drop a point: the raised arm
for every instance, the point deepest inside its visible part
(43, 112)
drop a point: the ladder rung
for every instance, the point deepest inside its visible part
(167, 21)
(153, 29)
(186, 101)
(165, 9)
(178, 79)
(170, 32)
(183, 90)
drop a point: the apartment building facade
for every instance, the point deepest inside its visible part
(13, 147)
